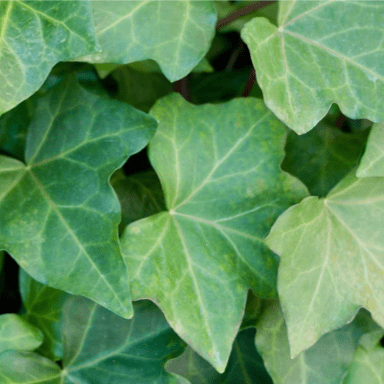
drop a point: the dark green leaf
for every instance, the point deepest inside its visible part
(223, 189)
(59, 213)
(34, 36)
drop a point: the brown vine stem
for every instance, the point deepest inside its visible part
(251, 80)
(241, 12)
(181, 86)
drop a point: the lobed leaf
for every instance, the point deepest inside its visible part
(314, 57)
(34, 36)
(59, 213)
(223, 189)
(331, 259)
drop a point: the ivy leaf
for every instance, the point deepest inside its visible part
(133, 31)
(245, 365)
(223, 189)
(367, 365)
(331, 259)
(43, 307)
(323, 156)
(314, 57)
(326, 362)
(17, 334)
(372, 163)
(52, 31)
(59, 213)
(101, 347)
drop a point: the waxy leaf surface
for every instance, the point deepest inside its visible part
(326, 362)
(34, 36)
(372, 163)
(101, 347)
(59, 215)
(43, 307)
(323, 156)
(315, 57)
(332, 260)
(131, 31)
(17, 334)
(223, 190)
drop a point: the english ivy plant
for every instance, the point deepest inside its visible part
(191, 192)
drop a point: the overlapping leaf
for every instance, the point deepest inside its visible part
(326, 362)
(59, 215)
(131, 31)
(372, 163)
(34, 36)
(223, 189)
(43, 307)
(332, 260)
(18, 334)
(323, 156)
(101, 347)
(314, 57)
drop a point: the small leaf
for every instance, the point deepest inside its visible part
(331, 259)
(326, 362)
(244, 366)
(372, 163)
(52, 31)
(314, 57)
(131, 31)
(43, 307)
(17, 334)
(223, 189)
(59, 215)
(323, 156)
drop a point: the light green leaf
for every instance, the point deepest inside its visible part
(34, 36)
(28, 368)
(331, 259)
(314, 57)
(323, 156)
(244, 366)
(372, 163)
(367, 365)
(17, 334)
(43, 307)
(140, 196)
(131, 31)
(223, 189)
(59, 215)
(326, 362)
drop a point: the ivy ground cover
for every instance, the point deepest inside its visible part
(191, 192)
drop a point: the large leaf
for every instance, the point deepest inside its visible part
(244, 366)
(34, 36)
(43, 307)
(17, 334)
(101, 347)
(332, 260)
(314, 57)
(323, 156)
(372, 163)
(131, 31)
(59, 215)
(223, 189)
(326, 362)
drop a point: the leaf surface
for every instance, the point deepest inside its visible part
(132, 31)
(34, 36)
(372, 163)
(59, 213)
(326, 362)
(17, 334)
(323, 156)
(223, 189)
(314, 57)
(331, 259)
(43, 307)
